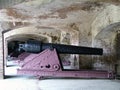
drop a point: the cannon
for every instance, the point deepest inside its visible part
(32, 46)
(44, 60)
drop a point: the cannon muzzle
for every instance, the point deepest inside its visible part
(37, 46)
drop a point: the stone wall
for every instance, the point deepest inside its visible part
(67, 22)
(104, 31)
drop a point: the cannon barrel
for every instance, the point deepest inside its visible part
(37, 46)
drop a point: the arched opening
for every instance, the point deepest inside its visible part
(107, 40)
(11, 62)
(12, 38)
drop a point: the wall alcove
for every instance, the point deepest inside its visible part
(108, 39)
(12, 38)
